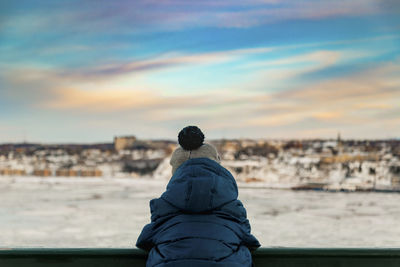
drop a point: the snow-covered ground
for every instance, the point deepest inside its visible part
(97, 212)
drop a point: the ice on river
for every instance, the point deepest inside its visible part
(96, 212)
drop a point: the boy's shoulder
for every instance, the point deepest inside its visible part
(233, 209)
(161, 208)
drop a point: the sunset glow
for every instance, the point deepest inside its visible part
(73, 71)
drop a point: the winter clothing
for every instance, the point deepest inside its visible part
(181, 155)
(198, 221)
(191, 138)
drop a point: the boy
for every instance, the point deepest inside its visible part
(198, 220)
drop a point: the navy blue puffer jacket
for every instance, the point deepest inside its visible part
(198, 220)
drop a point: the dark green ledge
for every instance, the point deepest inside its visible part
(121, 257)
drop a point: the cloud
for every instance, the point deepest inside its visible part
(26, 73)
(166, 61)
(100, 100)
(327, 115)
(294, 10)
(322, 58)
(73, 17)
(283, 73)
(373, 106)
(158, 63)
(381, 81)
(353, 99)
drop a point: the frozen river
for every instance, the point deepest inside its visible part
(78, 212)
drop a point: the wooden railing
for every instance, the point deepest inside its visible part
(271, 257)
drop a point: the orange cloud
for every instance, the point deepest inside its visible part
(321, 58)
(374, 106)
(327, 115)
(341, 100)
(101, 100)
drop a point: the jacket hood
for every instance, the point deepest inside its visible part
(200, 185)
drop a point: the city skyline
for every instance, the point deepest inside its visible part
(74, 72)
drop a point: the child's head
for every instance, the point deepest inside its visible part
(192, 146)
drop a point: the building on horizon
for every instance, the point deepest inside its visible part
(124, 142)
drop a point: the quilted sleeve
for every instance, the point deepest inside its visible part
(145, 239)
(235, 211)
(161, 212)
(248, 239)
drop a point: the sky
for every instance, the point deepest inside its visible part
(86, 71)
